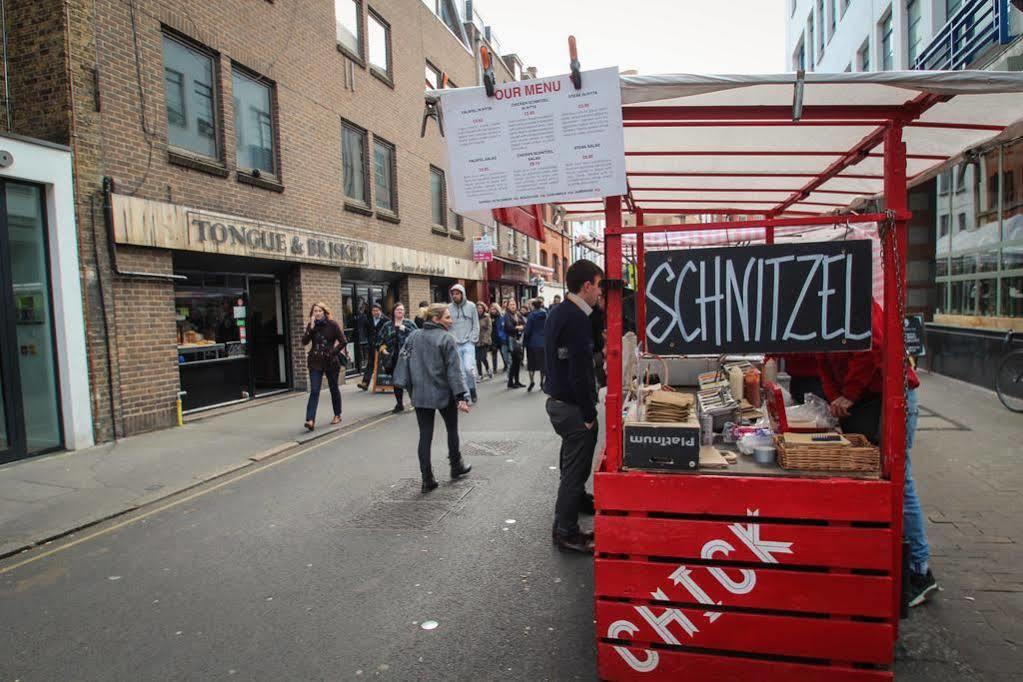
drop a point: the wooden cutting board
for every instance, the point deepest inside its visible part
(710, 458)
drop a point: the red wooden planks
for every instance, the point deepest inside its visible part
(770, 543)
(831, 593)
(674, 665)
(825, 499)
(841, 640)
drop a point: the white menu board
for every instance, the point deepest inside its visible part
(535, 142)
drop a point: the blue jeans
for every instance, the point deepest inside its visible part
(467, 355)
(912, 515)
(315, 384)
(505, 355)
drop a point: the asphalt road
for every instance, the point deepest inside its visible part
(322, 564)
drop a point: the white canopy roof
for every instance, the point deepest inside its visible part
(728, 144)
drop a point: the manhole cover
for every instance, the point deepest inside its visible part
(491, 448)
(449, 491)
(402, 515)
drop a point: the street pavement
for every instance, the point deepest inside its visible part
(324, 561)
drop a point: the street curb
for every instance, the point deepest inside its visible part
(204, 479)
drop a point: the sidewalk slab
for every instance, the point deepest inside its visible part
(48, 496)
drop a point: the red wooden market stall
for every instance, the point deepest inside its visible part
(747, 573)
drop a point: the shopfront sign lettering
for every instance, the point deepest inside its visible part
(256, 239)
(781, 298)
(418, 269)
(667, 624)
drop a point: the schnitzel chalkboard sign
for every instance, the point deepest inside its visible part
(812, 297)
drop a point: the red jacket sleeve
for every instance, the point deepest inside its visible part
(864, 365)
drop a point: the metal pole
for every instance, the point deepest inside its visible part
(640, 283)
(613, 302)
(893, 399)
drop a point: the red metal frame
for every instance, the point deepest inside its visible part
(842, 526)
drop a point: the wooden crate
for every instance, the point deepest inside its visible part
(743, 578)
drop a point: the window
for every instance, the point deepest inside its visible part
(799, 58)
(820, 29)
(959, 174)
(433, 77)
(951, 7)
(438, 197)
(543, 259)
(792, 9)
(456, 224)
(943, 222)
(379, 45)
(253, 124)
(1008, 189)
(557, 269)
(386, 169)
(353, 158)
(943, 182)
(191, 98)
(564, 265)
(809, 43)
(914, 30)
(887, 47)
(348, 14)
(833, 18)
(962, 222)
(863, 56)
(845, 5)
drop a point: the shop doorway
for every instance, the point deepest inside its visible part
(30, 417)
(268, 350)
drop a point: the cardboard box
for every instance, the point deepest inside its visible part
(662, 447)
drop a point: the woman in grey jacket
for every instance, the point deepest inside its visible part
(437, 385)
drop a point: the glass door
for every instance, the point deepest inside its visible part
(347, 321)
(362, 315)
(266, 335)
(30, 407)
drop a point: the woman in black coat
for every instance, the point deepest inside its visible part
(324, 360)
(392, 337)
(514, 324)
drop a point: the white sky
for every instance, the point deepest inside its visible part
(653, 36)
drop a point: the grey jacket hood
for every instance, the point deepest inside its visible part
(466, 319)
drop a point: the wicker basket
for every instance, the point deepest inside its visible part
(860, 456)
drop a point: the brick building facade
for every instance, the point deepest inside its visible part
(235, 162)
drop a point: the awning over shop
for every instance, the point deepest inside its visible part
(525, 219)
(695, 145)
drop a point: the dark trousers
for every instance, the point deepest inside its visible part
(494, 350)
(425, 417)
(516, 366)
(315, 384)
(369, 355)
(865, 418)
(481, 360)
(800, 386)
(399, 397)
(578, 444)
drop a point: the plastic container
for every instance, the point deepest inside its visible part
(764, 455)
(735, 382)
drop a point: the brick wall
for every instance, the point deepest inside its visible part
(307, 285)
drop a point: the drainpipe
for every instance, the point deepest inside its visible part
(7, 74)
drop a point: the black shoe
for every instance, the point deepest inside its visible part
(459, 469)
(514, 385)
(398, 409)
(429, 484)
(529, 389)
(362, 386)
(577, 542)
(586, 505)
(473, 397)
(920, 588)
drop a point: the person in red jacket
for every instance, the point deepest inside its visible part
(853, 384)
(803, 375)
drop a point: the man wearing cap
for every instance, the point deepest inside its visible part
(370, 330)
(465, 327)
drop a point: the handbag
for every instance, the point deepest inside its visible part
(401, 376)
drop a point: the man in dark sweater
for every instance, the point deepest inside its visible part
(572, 401)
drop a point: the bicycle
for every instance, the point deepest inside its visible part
(1009, 381)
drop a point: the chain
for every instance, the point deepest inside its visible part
(886, 231)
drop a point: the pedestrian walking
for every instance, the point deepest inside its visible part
(514, 324)
(500, 338)
(370, 330)
(484, 343)
(572, 402)
(465, 327)
(324, 360)
(555, 301)
(392, 337)
(533, 341)
(852, 383)
(437, 385)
